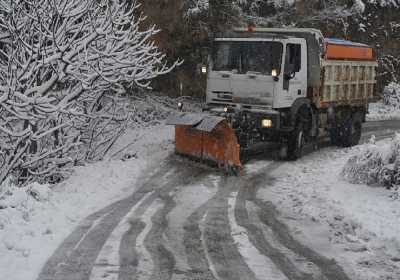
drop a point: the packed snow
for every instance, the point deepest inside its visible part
(356, 224)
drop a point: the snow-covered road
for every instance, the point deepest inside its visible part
(187, 221)
(219, 240)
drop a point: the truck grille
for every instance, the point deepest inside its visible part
(222, 96)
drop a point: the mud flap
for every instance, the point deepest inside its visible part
(207, 138)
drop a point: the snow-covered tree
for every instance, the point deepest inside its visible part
(195, 7)
(63, 67)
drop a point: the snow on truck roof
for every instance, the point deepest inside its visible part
(317, 33)
(331, 48)
(336, 41)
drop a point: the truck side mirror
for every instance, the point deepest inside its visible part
(289, 75)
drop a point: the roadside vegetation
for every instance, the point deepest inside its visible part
(67, 69)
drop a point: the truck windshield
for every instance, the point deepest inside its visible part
(247, 57)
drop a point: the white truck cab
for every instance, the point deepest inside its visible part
(259, 72)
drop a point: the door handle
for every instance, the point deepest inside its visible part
(225, 75)
(252, 76)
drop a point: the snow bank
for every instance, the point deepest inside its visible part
(389, 107)
(376, 164)
(391, 96)
(35, 219)
(152, 109)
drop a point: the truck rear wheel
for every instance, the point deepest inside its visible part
(351, 131)
(348, 133)
(296, 142)
(334, 135)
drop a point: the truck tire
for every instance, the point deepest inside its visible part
(296, 142)
(334, 135)
(350, 133)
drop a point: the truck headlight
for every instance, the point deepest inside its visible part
(180, 106)
(274, 73)
(266, 123)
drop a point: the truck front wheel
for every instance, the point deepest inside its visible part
(296, 142)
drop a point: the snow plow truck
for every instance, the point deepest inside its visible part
(285, 88)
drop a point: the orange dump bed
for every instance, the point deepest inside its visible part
(345, 50)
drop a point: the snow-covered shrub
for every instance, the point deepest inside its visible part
(391, 95)
(376, 164)
(65, 66)
(196, 7)
(145, 110)
(395, 193)
(389, 65)
(388, 107)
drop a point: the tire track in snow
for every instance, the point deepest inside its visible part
(275, 256)
(146, 263)
(58, 265)
(222, 250)
(329, 268)
(257, 262)
(207, 255)
(196, 250)
(164, 260)
(75, 257)
(107, 264)
(256, 236)
(268, 215)
(188, 200)
(302, 264)
(129, 258)
(210, 248)
(92, 226)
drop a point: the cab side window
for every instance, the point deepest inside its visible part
(292, 63)
(293, 58)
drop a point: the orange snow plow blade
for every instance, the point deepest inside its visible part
(207, 138)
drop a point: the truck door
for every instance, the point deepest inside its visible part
(294, 75)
